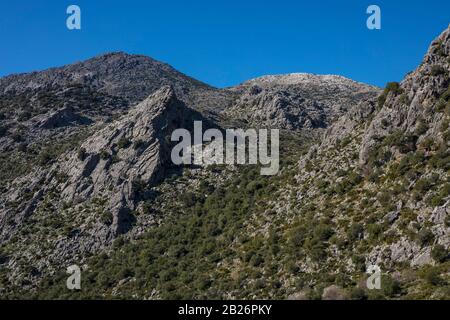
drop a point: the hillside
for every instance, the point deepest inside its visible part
(364, 180)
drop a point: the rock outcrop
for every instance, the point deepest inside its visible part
(415, 106)
(95, 190)
(297, 101)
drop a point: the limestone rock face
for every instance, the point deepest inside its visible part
(126, 153)
(64, 117)
(415, 102)
(113, 166)
(378, 136)
(298, 101)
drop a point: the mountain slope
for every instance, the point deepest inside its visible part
(373, 190)
(90, 195)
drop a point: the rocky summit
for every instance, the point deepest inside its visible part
(86, 179)
(297, 101)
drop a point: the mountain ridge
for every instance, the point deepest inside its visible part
(371, 187)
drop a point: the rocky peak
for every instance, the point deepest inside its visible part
(113, 164)
(131, 77)
(305, 79)
(299, 100)
(417, 106)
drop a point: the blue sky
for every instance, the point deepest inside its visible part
(226, 42)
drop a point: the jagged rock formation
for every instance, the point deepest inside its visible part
(414, 107)
(297, 101)
(66, 116)
(112, 170)
(113, 163)
(394, 154)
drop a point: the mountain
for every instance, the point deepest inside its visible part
(297, 101)
(129, 77)
(86, 179)
(387, 190)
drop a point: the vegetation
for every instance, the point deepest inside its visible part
(391, 87)
(438, 70)
(123, 143)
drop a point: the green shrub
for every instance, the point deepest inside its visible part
(45, 157)
(438, 70)
(123, 143)
(440, 253)
(81, 154)
(355, 232)
(359, 262)
(425, 237)
(389, 286)
(432, 276)
(357, 294)
(384, 198)
(375, 230)
(106, 218)
(439, 198)
(423, 185)
(317, 252)
(189, 199)
(404, 99)
(446, 95)
(323, 232)
(421, 128)
(256, 260)
(393, 87)
(104, 155)
(138, 144)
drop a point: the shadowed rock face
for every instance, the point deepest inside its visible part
(64, 117)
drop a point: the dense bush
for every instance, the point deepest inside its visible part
(355, 232)
(81, 154)
(440, 253)
(438, 70)
(389, 286)
(432, 276)
(123, 143)
(45, 156)
(425, 237)
(421, 128)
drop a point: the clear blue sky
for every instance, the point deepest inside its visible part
(225, 42)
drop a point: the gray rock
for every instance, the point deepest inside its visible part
(297, 101)
(392, 216)
(334, 292)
